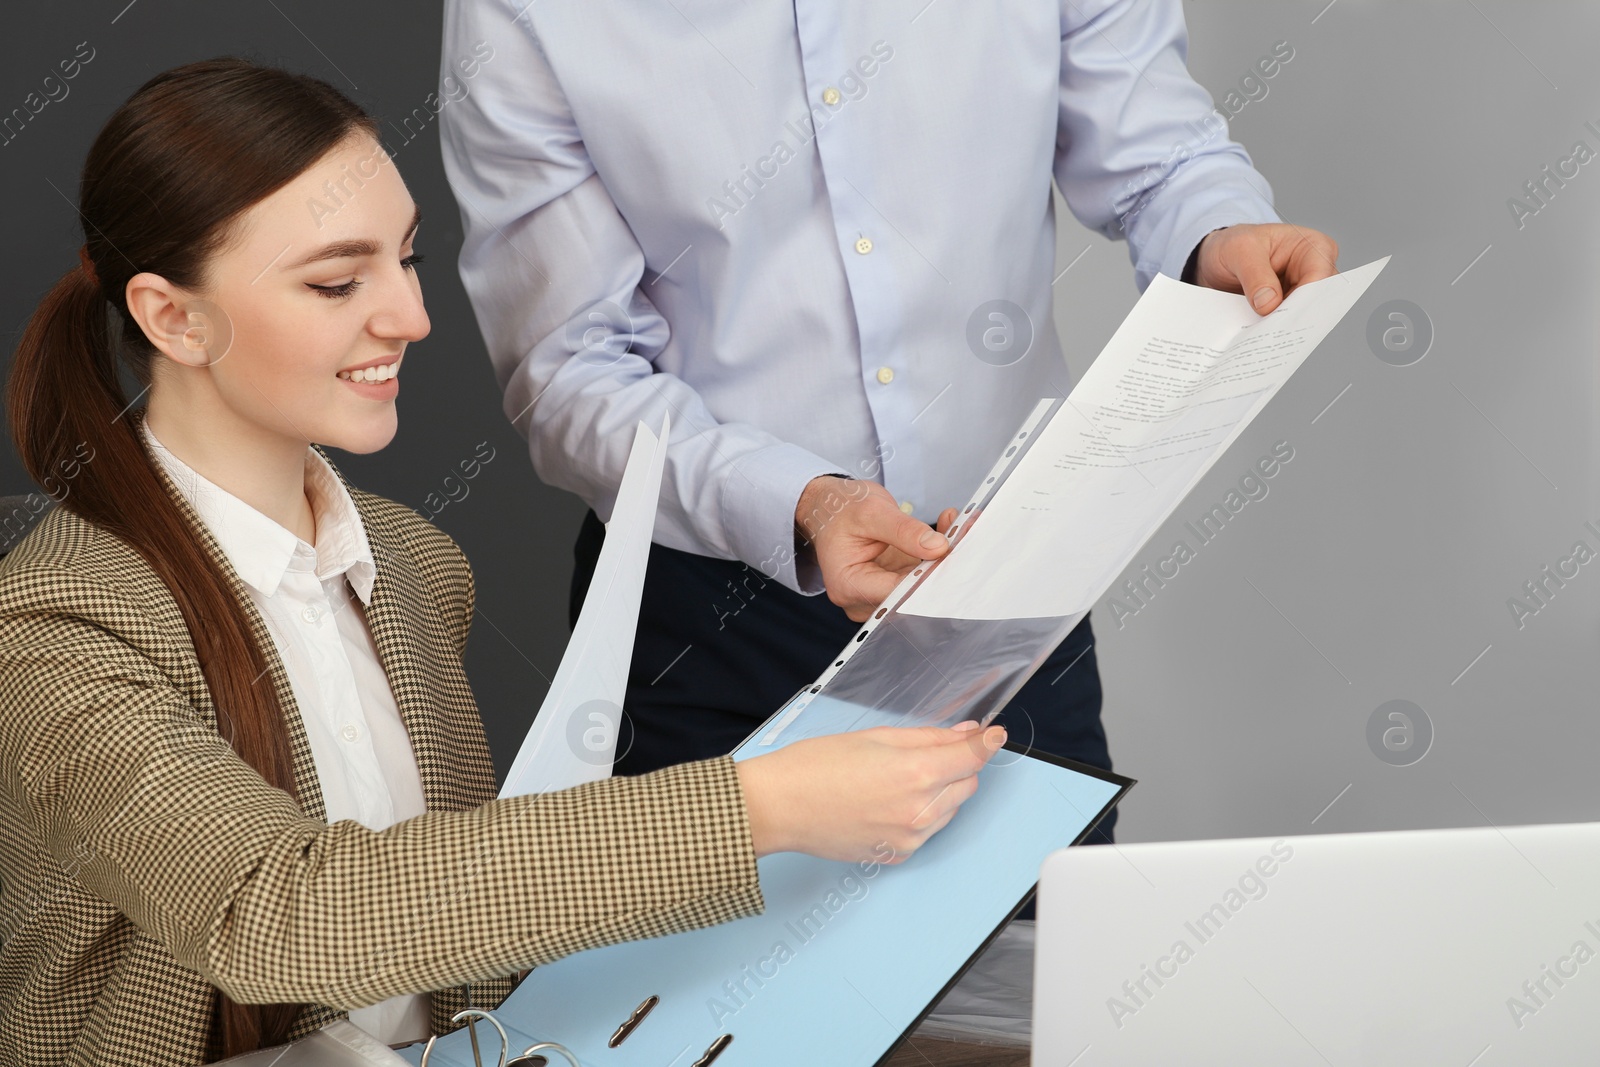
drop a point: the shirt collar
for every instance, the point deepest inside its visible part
(261, 550)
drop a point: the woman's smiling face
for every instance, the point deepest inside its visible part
(317, 285)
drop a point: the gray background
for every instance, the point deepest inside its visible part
(1377, 567)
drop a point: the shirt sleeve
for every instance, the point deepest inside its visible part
(558, 283)
(115, 772)
(1141, 152)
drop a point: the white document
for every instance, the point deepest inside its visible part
(1178, 382)
(573, 739)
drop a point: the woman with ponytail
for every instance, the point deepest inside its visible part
(244, 788)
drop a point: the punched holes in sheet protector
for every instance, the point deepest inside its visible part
(631, 1023)
(714, 1051)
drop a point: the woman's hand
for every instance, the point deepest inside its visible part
(846, 796)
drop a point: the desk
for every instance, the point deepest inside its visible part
(929, 1052)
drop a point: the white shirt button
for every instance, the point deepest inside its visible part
(310, 613)
(349, 733)
(907, 507)
(830, 96)
(885, 375)
(864, 245)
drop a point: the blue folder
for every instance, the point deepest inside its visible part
(844, 962)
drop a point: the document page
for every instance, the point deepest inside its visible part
(1178, 382)
(573, 739)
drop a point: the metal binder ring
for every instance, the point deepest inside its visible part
(464, 1015)
(546, 1046)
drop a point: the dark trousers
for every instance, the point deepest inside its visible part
(720, 648)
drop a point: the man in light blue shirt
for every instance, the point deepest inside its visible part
(822, 236)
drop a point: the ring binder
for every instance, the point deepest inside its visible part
(468, 1015)
(867, 947)
(528, 1057)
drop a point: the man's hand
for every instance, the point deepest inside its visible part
(863, 541)
(1264, 260)
(895, 560)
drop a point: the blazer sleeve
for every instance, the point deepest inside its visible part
(112, 767)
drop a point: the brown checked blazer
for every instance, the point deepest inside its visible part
(142, 862)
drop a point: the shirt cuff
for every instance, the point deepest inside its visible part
(758, 503)
(1186, 240)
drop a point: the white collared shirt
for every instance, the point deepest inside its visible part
(852, 268)
(364, 762)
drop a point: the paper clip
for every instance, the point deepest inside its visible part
(529, 1056)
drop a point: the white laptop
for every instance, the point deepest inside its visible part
(1463, 948)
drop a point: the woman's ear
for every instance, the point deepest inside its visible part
(184, 328)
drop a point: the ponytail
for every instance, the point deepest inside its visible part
(73, 427)
(174, 166)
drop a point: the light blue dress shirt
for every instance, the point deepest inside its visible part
(820, 234)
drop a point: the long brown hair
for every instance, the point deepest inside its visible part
(164, 182)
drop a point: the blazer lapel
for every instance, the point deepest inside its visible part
(399, 603)
(400, 609)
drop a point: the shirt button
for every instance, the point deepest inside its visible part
(310, 614)
(830, 96)
(907, 507)
(885, 375)
(349, 733)
(864, 245)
